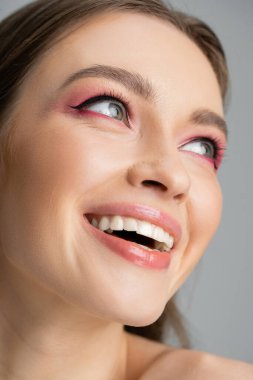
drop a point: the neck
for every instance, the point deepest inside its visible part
(43, 337)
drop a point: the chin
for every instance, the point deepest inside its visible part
(141, 316)
(143, 320)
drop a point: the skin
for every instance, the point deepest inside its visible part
(64, 295)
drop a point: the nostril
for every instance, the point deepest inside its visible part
(151, 183)
(180, 197)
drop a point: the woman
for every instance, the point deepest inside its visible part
(112, 133)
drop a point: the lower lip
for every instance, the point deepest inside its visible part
(131, 251)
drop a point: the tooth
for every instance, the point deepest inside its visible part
(144, 228)
(130, 224)
(116, 223)
(158, 234)
(149, 249)
(168, 240)
(104, 223)
(159, 246)
(143, 246)
(162, 247)
(94, 222)
(171, 242)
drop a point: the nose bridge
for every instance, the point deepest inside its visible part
(159, 166)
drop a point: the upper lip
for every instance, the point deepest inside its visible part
(142, 212)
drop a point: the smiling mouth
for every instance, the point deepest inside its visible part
(142, 233)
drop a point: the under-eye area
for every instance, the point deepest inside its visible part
(141, 232)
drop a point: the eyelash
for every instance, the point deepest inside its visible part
(217, 144)
(108, 95)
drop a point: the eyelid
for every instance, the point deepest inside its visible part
(109, 94)
(96, 99)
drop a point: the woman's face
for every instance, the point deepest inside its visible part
(150, 156)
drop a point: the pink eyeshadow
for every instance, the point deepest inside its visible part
(77, 96)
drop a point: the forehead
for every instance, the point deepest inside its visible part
(139, 43)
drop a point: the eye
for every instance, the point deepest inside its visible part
(210, 148)
(106, 105)
(204, 147)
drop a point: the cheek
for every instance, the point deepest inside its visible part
(204, 213)
(202, 217)
(55, 172)
(60, 164)
(51, 174)
(205, 206)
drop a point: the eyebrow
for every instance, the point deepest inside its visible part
(132, 81)
(141, 86)
(207, 117)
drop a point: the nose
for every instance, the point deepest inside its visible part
(166, 175)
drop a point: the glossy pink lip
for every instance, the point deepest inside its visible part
(132, 251)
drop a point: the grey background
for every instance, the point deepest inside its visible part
(217, 299)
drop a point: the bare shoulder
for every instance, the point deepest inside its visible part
(143, 353)
(149, 360)
(193, 365)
